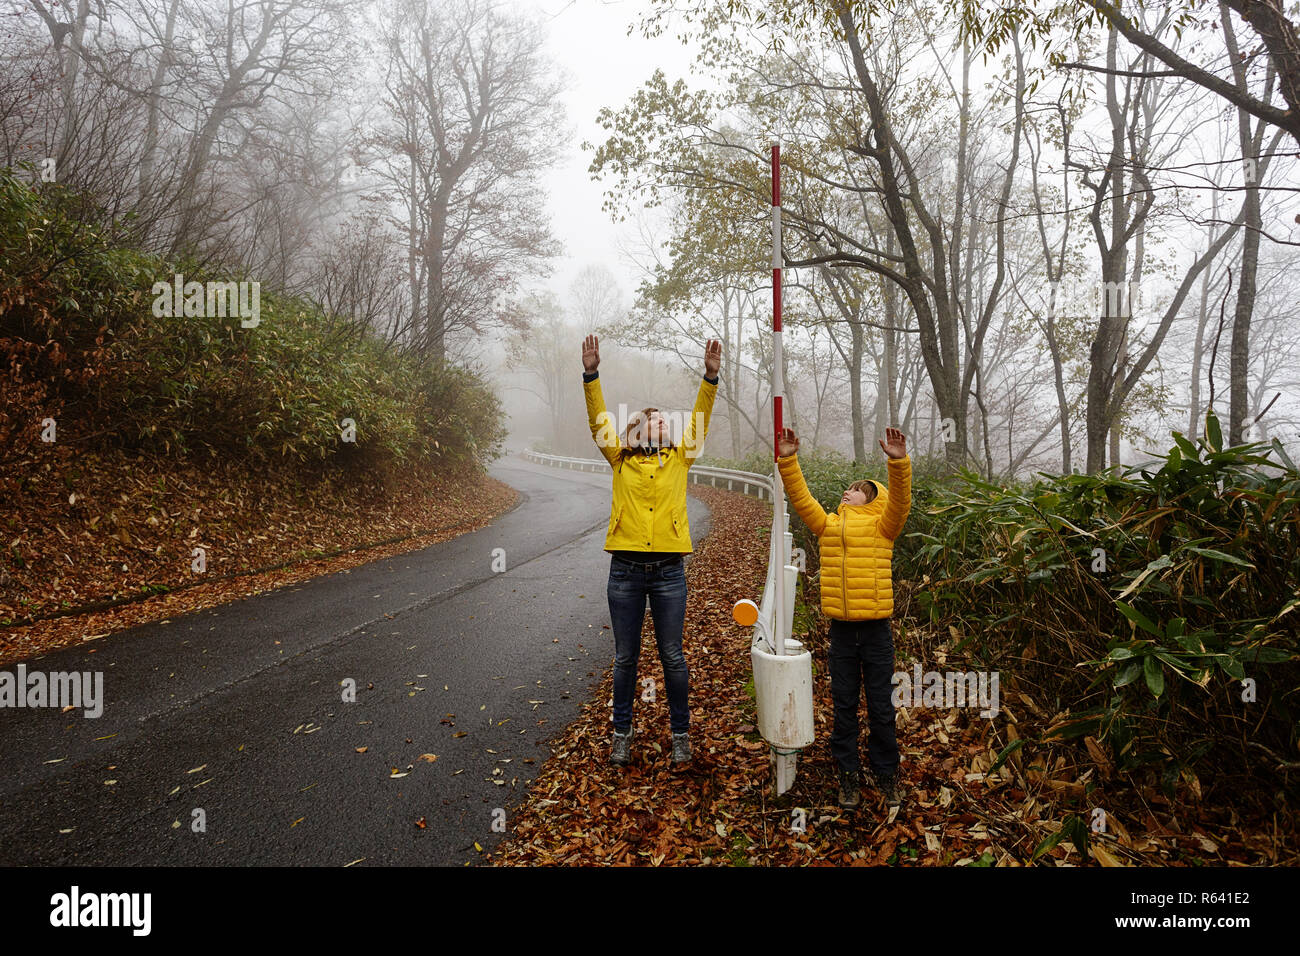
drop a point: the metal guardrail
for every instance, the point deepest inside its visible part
(761, 485)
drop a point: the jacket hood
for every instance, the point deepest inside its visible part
(876, 504)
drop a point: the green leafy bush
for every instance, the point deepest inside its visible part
(79, 341)
(1141, 598)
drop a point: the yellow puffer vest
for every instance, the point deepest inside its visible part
(648, 508)
(856, 543)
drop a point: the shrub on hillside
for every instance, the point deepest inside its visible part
(80, 342)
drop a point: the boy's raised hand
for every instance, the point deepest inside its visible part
(590, 353)
(712, 357)
(897, 447)
(787, 443)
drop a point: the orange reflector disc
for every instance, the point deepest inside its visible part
(745, 613)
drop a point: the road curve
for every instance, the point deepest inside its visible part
(234, 717)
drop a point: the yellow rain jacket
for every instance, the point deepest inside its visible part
(856, 542)
(648, 510)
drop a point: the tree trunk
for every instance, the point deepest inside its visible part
(1238, 399)
(71, 71)
(936, 318)
(731, 369)
(856, 351)
(1202, 318)
(1114, 272)
(154, 106)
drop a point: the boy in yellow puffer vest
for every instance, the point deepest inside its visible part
(856, 546)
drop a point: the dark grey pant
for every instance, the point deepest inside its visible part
(665, 586)
(862, 653)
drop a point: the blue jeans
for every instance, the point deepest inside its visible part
(665, 586)
(862, 653)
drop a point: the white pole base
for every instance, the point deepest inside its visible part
(785, 767)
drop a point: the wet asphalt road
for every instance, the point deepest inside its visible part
(235, 717)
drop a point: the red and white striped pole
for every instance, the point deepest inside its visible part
(776, 301)
(778, 555)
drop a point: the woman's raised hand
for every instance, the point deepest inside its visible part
(787, 443)
(590, 353)
(712, 358)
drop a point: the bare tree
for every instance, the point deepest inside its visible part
(1277, 35)
(1124, 196)
(544, 348)
(250, 53)
(596, 297)
(471, 119)
(360, 284)
(68, 39)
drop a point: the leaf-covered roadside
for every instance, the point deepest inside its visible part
(978, 792)
(83, 530)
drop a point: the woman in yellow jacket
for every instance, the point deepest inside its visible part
(648, 534)
(856, 546)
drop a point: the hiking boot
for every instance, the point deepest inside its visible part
(888, 786)
(850, 796)
(620, 753)
(681, 748)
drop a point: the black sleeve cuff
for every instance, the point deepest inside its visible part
(590, 376)
(711, 381)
